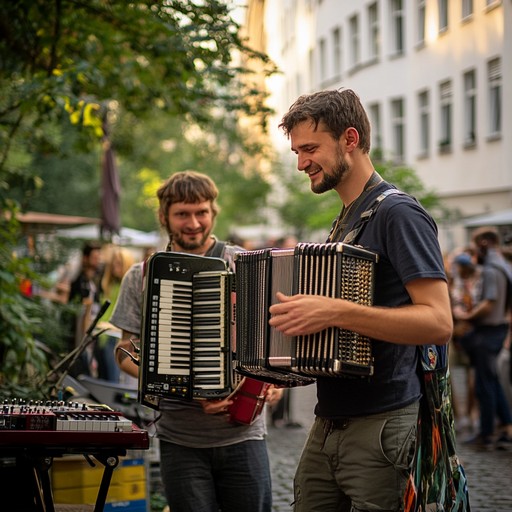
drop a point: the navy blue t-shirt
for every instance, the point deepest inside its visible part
(404, 236)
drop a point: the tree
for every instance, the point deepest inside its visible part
(65, 65)
(68, 64)
(66, 58)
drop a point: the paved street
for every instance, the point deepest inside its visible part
(489, 473)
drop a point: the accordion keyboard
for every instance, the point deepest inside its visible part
(185, 338)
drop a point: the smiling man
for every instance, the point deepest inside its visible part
(358, 454)
(187, 211)
(207, 463)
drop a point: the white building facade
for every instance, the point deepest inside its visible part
(434, 75)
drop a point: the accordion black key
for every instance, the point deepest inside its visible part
(186, 328)
(334, 270)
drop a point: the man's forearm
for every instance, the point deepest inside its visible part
(122, 355)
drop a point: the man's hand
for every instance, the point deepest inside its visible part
(273, 395)
(216, 406)
(299, 315)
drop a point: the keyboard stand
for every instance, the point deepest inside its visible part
(109, 462)
(34, 451)
(36, 469)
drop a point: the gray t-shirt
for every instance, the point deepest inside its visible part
(182, 422)
(495, 273)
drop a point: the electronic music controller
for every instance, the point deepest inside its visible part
(62, 423)
(59, 415)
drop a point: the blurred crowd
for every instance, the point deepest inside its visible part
(480, 277)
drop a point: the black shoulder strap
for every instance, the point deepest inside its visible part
(352, 235)
(430, 356)
(218, 249)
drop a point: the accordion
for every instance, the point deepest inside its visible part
(332, 269)
(186, 328)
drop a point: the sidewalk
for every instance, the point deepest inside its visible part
(489, 473)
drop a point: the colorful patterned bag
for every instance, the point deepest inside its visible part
(437, 482)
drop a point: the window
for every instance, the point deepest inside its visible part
(336, 45)
(376, 129)
(354, 40)
(443, 15)
(445, 95)
(467, 8)
(469, 81)
(421, 20)
(424, 119)
(398, 129)
(373, 30)
(397, 26)
(323, 60)
(495, 82)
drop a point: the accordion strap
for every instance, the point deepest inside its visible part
(217, 250)
(353, 234)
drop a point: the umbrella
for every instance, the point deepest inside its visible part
(110, 189)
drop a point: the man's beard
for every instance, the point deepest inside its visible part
(190, 246)
(331, 181)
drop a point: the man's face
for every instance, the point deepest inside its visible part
(190, 225)
(319, 156)
(94, 260)
(481, 248)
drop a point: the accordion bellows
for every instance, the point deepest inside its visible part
(334, 270)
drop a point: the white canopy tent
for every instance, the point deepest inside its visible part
(127, 236)
(501, 218)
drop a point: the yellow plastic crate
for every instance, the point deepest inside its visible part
(128, 492)
(75, 481)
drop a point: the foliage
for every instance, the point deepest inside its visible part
(20, 359)
(68, 181)
(154, 71)
(65, 64)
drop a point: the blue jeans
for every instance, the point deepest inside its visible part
(483, 345)
(107, 366)
(233, 478)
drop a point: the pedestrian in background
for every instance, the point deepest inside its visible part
(504, 357)
(465, 292)
(87, 284)
(490, 320)
(85, 291)
(118, 261)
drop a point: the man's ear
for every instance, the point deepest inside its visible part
(351, 138)
(162, 219)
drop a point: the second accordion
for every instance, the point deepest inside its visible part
(335, 270)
